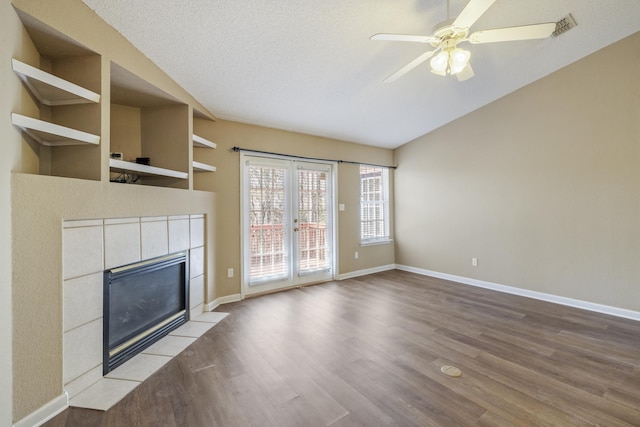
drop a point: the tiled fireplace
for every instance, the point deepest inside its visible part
(92, 246)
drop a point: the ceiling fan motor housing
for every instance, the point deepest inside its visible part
(446, 32)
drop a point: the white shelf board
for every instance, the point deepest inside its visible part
(199, 141)
(51, 90)
(202, 167)
(50, 134)
(145, 170)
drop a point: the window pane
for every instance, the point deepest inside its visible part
(313, 245)
(374, 203)
(267, 251)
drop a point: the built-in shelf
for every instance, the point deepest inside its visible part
(202, 167)
(122, 166)
(201, 142)
(50, 134)
(51, 90)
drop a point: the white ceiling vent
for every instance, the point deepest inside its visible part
(564, 25)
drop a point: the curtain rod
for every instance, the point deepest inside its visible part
(238, 149)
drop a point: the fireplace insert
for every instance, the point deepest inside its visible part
(143, 302)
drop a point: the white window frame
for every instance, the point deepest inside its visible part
(374, 206)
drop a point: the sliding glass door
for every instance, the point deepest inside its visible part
(287, 223)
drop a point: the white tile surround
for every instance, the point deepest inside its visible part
(89, 248)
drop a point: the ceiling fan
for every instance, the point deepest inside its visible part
(449, 58)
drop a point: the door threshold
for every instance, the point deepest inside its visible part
(289, 288)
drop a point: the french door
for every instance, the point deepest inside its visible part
(287, 212)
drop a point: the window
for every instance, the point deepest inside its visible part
(374, 204)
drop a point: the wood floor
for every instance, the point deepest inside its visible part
(368, 352)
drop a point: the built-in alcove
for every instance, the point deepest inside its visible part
(204, 157)
(60, 117)
(147, 123)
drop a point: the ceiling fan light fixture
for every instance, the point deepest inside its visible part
(458, 60)
(450, 61)
(440, 62)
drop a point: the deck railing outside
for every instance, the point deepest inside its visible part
(268, 249)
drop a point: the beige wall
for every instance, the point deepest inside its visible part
(542, 186)
(11, 142)
(39, 206)
(226, 184)
(34, 206)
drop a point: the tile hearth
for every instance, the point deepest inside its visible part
(109, 390)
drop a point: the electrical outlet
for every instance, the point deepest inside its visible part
(356, 255)
(474, 262)
(230, 272)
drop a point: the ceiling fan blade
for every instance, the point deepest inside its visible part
(472, 12)
(466, 73)
(403, 38)
(410, 66)
(525, 32)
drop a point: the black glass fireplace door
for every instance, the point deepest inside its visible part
(143, 302)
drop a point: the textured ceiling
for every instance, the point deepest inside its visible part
(309, 66)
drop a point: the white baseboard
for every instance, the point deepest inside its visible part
(223, 300)
(366, 271)
(585, 305)
(45, 412)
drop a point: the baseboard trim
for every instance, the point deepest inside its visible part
(223, 300)
(366, 271)
(45, 412)
(585, 305)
